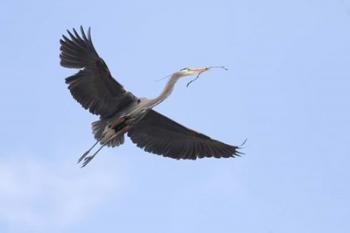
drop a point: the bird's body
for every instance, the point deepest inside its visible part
(123, 113)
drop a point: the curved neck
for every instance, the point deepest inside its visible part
(166, 91)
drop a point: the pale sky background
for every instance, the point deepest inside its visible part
(287, 90)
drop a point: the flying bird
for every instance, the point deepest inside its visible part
(122, 113)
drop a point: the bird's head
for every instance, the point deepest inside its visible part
(194, 71)
(191, 71)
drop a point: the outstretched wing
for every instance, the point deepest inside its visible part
(93, 86)
(158, 134)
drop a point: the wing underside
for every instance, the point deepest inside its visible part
(93, 86)
(158, 134)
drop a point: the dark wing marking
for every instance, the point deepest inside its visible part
(93, 86)
(158, 134)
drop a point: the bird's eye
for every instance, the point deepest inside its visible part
(187, 69)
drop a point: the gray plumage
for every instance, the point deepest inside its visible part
(121, 113)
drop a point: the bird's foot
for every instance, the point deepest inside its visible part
(87, 160)
(83, 156)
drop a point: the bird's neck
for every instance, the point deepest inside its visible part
(166, 91)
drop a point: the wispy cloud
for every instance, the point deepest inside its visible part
(37, 195)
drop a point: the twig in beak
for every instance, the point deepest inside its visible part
(208, 68)
(220, 67)
(193, 79)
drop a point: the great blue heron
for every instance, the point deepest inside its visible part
(123, 113)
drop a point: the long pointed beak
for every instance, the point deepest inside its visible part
(200, 70)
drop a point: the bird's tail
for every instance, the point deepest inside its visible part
(102, 134)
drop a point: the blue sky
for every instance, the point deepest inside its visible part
(287, 91)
